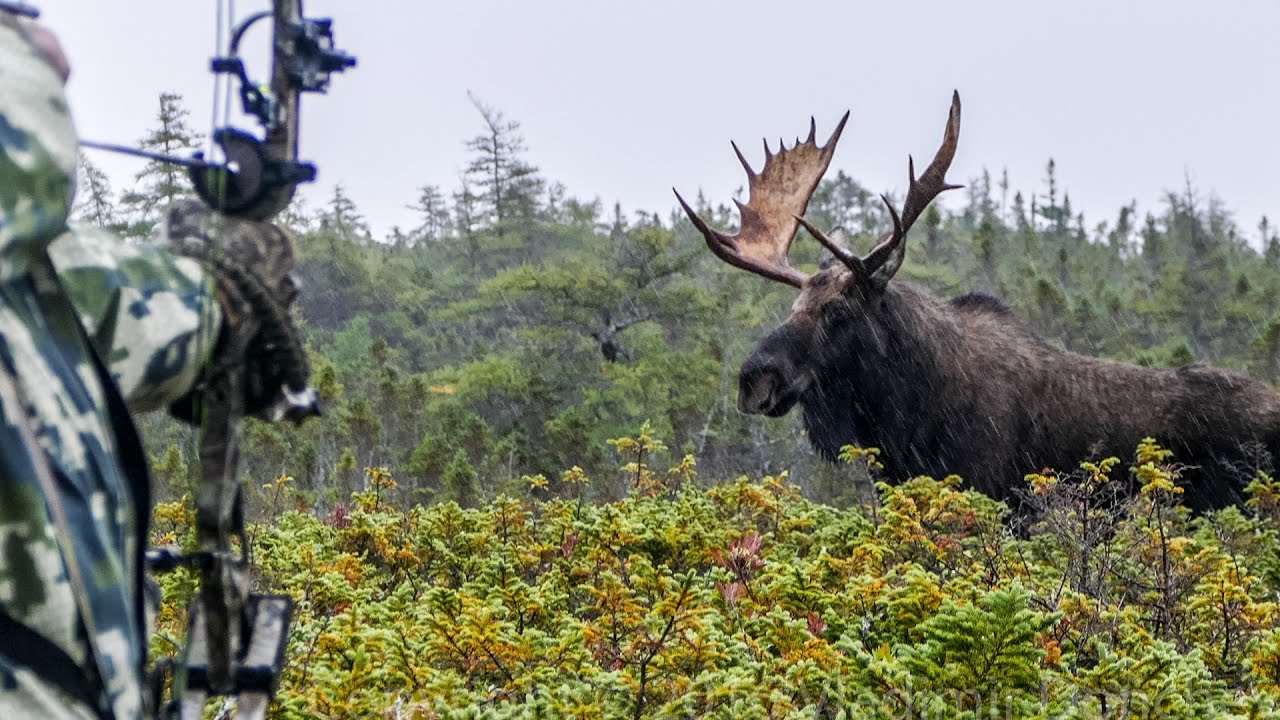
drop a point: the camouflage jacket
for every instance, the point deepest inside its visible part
(89, 328)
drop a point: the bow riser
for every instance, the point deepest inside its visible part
(264, 173)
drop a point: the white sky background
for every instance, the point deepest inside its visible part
(622, 101)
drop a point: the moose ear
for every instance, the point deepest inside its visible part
(826, 258)
(883, 274)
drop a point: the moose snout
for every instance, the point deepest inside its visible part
(755, 391)
(763, 389)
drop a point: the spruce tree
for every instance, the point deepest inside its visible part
(343, 219)
(95, 202)
(160, 183)
(509, 189)
(433, 216)
(460, 480)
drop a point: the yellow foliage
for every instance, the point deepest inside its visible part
(380, 478)
(178, 514)
(1043, 482)
(747, 600)
(1154, 479)
(1150, 451)
(348, 566)
(575, 476)
(870, 457)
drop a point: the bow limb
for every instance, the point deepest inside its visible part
(223, 582)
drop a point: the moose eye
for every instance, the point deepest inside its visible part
(836, 310)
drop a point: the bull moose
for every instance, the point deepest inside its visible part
(960, 386)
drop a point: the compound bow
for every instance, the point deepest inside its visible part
(237, 639)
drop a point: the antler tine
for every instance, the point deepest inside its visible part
(893, 213)
(853, 262)
(742, 159)
(778, 193)
(920, 193)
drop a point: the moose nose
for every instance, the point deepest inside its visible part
(756, 390)
(760, 388)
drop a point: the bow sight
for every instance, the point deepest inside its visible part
(259, 176)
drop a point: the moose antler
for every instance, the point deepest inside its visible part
(886, 257)
(778, 195)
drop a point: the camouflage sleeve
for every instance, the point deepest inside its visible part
(71, 470)
(150, 313)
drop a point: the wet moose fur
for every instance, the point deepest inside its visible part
(966, 387)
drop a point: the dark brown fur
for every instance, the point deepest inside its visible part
(965, 387)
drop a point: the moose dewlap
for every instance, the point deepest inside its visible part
(961, 386)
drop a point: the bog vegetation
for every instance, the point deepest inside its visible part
(531, 494)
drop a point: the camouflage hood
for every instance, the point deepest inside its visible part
(37, 152)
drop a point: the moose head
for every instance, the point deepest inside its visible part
(840, 299)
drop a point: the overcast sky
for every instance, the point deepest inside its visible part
(622, 101)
